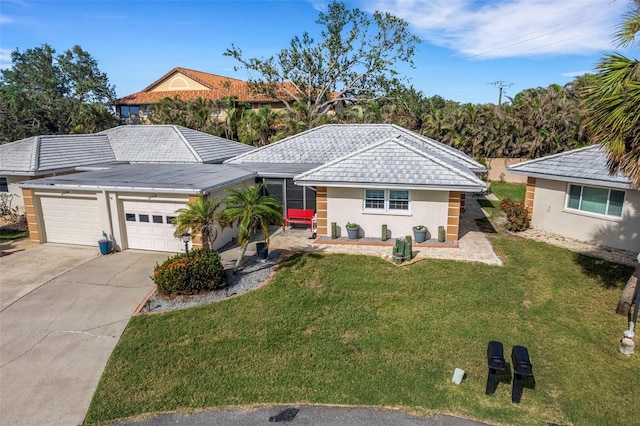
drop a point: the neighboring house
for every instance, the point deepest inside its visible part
(572, 194)
(371, 174)
(134, 179)
(187, 84)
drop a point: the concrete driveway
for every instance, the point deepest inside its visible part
(63, 310)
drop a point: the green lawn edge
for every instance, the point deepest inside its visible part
(356, 330)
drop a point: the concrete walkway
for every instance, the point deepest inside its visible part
(63, 310)
(473, 245)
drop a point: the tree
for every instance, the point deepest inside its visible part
(612, 117)
(249, 208)
(354, 62)
(45, 93)
(199, 217)
(612, 103)
(257, 126)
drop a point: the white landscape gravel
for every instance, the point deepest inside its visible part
(250, 275)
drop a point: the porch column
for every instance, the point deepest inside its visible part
(321, 210)
(529, 196)
(453, 219)
(32, 218)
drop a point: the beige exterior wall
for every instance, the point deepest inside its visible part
(429, 208)
(498, 169)
(179, 81)
(112, 214)
(12, 183)
(549, 214)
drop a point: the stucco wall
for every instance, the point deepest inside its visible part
(497, 170)
(429, 208)
(549, 214)
(179, 82)
(12, 183)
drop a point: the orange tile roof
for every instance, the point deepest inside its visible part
(219, 86)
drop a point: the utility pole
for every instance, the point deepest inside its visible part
(502, 85)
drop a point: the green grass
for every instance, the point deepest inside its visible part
(12, 234)
(339, 329)
(515, 191)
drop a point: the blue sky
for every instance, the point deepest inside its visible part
(466, 45)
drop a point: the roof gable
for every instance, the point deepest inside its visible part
(334, 141)
(582, 165)
(207, 86)
(19, 156)
(392, 162)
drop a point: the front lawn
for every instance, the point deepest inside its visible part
(339, 329)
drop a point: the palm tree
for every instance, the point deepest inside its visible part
(257, 126)
(612, 118)
(199, 217)
(249, 208)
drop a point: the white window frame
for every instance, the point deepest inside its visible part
(588, 213)
(6, 183)
(387, 202)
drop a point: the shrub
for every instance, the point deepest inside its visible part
(517, 215)
(200, 270)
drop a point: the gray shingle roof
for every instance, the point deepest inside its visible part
(393, 162)
(164, 178)
(124, 144)
(55, 152)
(584, 165)
(332, 141)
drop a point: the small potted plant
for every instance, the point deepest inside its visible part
(420, 233)
(352, 230)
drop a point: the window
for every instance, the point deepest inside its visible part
(589, 199)
(4, 185)
(143, 218)
(130, 217)
(157, 219)
(386, 200)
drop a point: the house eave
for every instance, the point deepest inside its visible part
(77, 187)
(461, 188)
(573, 179)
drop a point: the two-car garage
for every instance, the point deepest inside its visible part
(76, 218)
(134, 205)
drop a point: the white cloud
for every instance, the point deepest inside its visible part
(486, 29)
(4, 19)
(5, 58)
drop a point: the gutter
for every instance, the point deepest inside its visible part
(572, 179)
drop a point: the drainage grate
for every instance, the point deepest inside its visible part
(285, 415)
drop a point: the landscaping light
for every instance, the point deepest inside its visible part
(186, 237)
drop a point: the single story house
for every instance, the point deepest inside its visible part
(370, 174)
(126, 182)
(572, 194)
(134, 178)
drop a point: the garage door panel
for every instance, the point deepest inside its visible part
(148, 225)
(71, 220)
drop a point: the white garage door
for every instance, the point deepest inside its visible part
(71, 220)
(148, 225)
